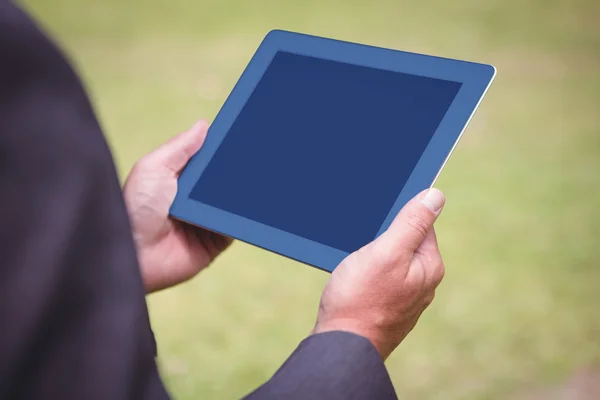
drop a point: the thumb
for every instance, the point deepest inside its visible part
(176, 153)
(414, 222)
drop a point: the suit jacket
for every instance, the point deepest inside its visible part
(73, 317)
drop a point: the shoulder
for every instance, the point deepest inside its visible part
(43, 104)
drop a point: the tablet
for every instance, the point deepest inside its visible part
(321, 143)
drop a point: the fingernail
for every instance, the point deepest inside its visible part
(433, 199)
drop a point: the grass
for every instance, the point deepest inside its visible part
(520, 234)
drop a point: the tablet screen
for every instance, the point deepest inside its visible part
(322, 149)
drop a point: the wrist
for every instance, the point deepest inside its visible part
(376, 338)
(151, 277)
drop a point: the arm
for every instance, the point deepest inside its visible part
(332, 365)
(373, 299)
(73, 318)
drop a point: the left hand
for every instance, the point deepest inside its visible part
(169, 251)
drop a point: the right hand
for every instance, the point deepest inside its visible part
(380, 291)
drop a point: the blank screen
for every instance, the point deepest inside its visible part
(322, 149)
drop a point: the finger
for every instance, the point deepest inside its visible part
(430, 259)
(411, 226)
(429, 244)
(176, 153)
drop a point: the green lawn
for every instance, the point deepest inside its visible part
(520, 235)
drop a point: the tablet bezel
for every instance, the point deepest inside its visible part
(474, 77)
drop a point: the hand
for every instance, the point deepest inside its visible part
(380, 291)
(169, 252)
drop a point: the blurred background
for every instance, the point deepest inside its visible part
(518, 315)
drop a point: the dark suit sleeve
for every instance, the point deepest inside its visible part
(332, 365)
(73, 318)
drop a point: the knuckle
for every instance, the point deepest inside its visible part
(386, 255)
(440, 272)
(418, 224)
(360, 258)
(436, 267)
(141, 164)
(427, 300)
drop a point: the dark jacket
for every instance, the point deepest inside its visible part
(73, 317)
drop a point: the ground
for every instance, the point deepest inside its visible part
(518, 314)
